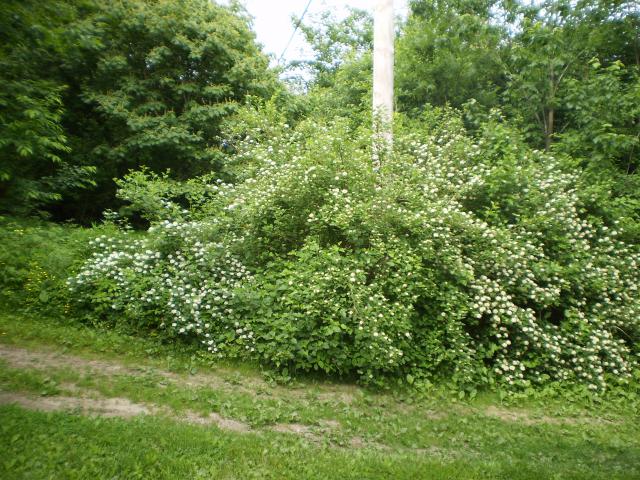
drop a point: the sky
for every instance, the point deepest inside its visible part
(273, 26)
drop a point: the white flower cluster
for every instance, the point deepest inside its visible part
(555, 293)
(184, 283)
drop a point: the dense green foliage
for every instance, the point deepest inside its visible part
(35, 262)
(449, 53)
(93, 89)
(497, 246)
(565, 73)
(33, 141)
(473, 260)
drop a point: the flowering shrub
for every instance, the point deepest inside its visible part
(175, 278)
(472, 259)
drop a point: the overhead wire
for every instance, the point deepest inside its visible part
(295, 29)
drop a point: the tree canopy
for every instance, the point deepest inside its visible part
(96, 89)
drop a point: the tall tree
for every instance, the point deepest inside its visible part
(100, 88)
(449, 53)
(33, 141)
(154, 85)
(554, 48)
(339, 74)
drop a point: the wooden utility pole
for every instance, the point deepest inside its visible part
(383, 38)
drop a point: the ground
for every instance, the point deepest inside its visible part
(80, 402)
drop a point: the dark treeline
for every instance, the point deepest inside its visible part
(93, 89)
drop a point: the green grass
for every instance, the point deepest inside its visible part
(431, 436)
(37, 256)
(38, 445)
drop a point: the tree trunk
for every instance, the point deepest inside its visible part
(548, 134)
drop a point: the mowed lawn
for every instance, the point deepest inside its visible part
(83, 403)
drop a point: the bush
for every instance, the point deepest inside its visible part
(36, 259)
(473, 260)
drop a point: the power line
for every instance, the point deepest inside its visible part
(295, 29)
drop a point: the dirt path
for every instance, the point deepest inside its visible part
(114, 407)
(89, 402)
(125, 408)
(17, 357)
(93, 403)
(106, 407)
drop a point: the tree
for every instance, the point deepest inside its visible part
(99, 88)
(152, 87)
(33, 142)
(554, 49)
(449, 53)
(340, 72)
